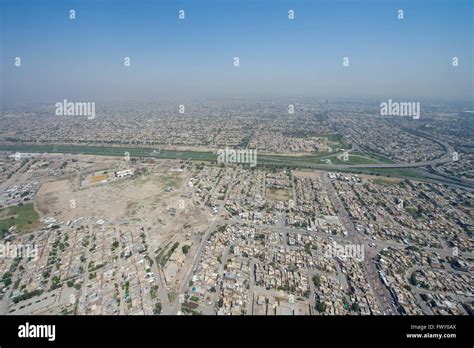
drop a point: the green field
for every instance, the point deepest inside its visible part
(112, 151)
(377, 158)
(23, 216)
(392, 172)
(277, 194)
(353, 159)
(386, 181)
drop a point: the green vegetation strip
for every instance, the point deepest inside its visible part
(271, 161)
(23, 216)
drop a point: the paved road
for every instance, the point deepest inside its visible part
(380, 291)
(184, 283)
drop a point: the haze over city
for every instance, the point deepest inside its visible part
(83, 59)
(206, 158)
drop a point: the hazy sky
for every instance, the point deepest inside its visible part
(82, 59)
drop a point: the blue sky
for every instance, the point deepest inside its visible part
(82, 59)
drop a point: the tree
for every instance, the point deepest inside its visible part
(6, 279)
(413, 279)
(157, 309)
(185, 249)
(321, 307)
